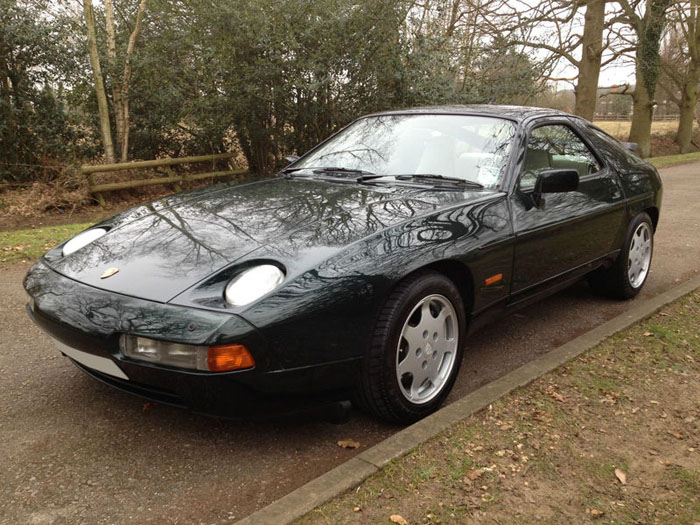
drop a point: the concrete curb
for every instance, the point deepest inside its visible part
(351, 473)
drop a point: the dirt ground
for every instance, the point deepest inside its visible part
(58, 202)
(612, 437)
(18, 212)
(76, 451)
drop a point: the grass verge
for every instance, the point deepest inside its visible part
(611, 437)
(621, 128)
(672, 160)
(28, 245)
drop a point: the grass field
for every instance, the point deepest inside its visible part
(672, 160)
(28, 245)
(621, 129)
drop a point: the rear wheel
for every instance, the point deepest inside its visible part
(625, 278)
(415, 353)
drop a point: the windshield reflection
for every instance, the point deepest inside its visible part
(473, 148)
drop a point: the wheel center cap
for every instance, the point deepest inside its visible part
(428, 349)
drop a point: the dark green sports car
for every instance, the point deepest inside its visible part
(358, 271)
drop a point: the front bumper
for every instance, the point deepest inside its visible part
(90, 320)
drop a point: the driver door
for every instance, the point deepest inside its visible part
(566, 232)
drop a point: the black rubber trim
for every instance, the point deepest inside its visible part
(149, 392)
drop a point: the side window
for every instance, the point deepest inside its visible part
(555, 147)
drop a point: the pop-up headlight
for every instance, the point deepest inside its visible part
(253, 284)
(82, 239)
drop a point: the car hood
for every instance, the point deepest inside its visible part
(163, 248)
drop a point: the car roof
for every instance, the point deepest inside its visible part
(517, 113)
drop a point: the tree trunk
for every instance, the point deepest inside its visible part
(126, 80)
(103, 109)
(642, 111)
(689, 99)
(589, 67)
(112, 63)
(125, 134)
(6, 89)
(649, 30)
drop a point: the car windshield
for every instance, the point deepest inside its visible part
(466, 147)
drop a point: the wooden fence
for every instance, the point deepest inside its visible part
(169, 178)
(628, 118)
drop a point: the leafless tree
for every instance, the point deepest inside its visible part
(573, 32)
(103, 108)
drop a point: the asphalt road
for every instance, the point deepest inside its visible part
(75, 451)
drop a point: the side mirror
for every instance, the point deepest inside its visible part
(291, 158)
(556, 181)
(632, 146)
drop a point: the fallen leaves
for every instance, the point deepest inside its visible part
(621, 476)
(474, 474)
(556, 395)
(398, 518)
(348, 443)
(595, 512)
(541, 417)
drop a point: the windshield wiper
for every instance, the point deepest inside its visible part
(329, 170)
(333, 169)
(439, 178)
(366, 176)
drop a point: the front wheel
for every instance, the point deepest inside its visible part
(625, 278)
(415, 353)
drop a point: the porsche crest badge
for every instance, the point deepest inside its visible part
(109, 272)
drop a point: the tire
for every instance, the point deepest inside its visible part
(415, 350)
(626, 277)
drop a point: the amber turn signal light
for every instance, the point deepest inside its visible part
(224, 358)
(493, 279)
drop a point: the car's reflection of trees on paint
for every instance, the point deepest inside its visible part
(295, 223)
(353, 276)
(206, 234)
(95, 311)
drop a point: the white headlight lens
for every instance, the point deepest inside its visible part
(164, 353)
(253, 284)
(82, 239)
